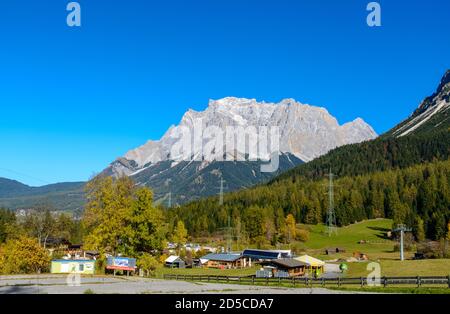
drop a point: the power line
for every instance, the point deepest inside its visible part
(24, 175)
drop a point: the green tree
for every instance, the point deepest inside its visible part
(448, 231)
(121, 218)
(254, 223)
(7, 224)
(146, 227)
(40, 224)
(418, 230)
(148, 264)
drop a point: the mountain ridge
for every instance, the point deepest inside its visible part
(305, 131)
(391, 150)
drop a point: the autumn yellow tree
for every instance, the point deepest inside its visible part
(109, 203)
(23, 255)
(121, 218)
(448, 231)
(180, 234)
(290, 230)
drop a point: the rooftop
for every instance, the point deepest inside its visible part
(223, 257)
(285, 262)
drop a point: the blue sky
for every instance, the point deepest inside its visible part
(74, 99)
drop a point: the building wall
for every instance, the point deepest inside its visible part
(77, 267)
(296, 271)
(240, 263)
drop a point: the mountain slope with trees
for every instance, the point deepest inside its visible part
(403, 177)
(429, 141)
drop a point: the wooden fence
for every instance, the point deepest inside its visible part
(309, 282)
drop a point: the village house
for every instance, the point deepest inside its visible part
(174, 261)
(226, 261)
(285, 267)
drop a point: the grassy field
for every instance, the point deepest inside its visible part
(392, 268)
(377, 247)
(372, 231)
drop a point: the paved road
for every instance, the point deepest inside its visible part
(57, 284)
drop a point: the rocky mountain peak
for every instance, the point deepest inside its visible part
(305, 131)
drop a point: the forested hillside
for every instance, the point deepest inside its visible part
(403, 175)
(418, 196)
(377, 155)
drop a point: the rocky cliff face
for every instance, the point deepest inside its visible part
(304, 133)
(432, 115)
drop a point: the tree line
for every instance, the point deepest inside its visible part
(382, 154)
(119, 218)
(25, 240)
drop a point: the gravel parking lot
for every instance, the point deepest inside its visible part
(57, 284)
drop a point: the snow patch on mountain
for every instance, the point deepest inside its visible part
(422, 118)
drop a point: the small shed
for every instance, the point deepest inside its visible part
(334, 250)
(174, 261)
(65, 266)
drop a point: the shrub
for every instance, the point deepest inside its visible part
(148, 264)
(302, 235)
(23, 256)
(100, 265)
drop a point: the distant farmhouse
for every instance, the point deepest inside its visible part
(174, 261)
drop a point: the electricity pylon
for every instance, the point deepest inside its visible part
(221, 191)
(331, 215)
(167, 197)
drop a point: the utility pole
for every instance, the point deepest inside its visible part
(167, 199)
(331, 215)
(229, 236)
(402, 228)
(221, 192)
